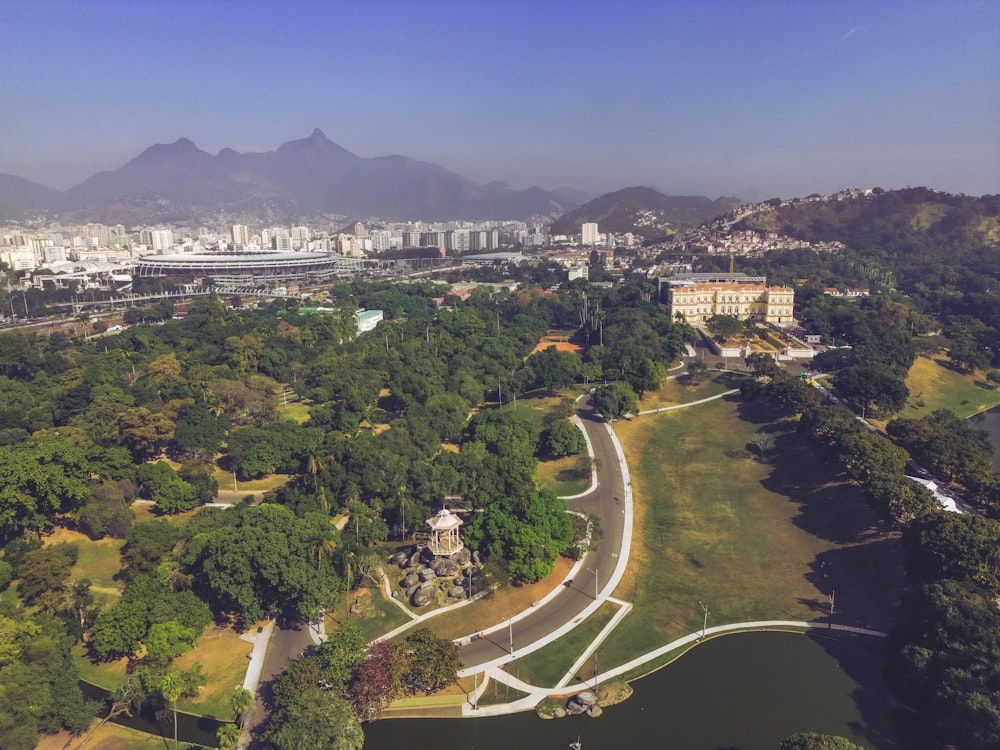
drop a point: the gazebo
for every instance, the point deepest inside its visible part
(445, 541)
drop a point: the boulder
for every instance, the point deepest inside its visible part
(573, 708)
(399, 558)
(463, 556)
(444, 567)
(456, 592)
(475, 557)
(594, 711)
(414, 560)
(411, 589)
(558, 712)
(412, 579)
(587, 698)
(422, 596)
(426, 574)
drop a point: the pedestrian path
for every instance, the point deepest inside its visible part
(690, 403)
(535, 693)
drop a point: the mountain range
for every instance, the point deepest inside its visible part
(303, 179)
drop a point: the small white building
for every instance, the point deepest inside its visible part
(367, 319)
(445, 540)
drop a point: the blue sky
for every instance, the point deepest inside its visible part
(712, 97)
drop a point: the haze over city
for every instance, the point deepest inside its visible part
(778, 98)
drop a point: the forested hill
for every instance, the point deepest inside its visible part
(923, 236)
(643, 211)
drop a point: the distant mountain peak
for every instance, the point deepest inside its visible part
(309, 177)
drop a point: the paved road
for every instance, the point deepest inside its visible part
(571, 600)
(287, 642)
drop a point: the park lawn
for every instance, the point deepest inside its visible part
(294, 412)
(498, 693)
(551, 475)
(534, 405)
(496, 607)
(108, 737)
(223, 656)
(98, 561)
(674, 392)
(374, 614)
(105, 674)
(936, 386)
(269, 482)
(753, 540)
(546, 666)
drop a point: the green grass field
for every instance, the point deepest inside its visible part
(675, 391)
(933, 386)
(98, 561)
(546, 666)
(374, 614)
(295, 412)
(753, 540)
(551, 475)
(107, 674)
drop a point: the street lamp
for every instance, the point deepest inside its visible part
(596, 581)
(704, 624)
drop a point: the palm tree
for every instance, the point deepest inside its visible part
(171, 689)
(240, 701)
(227, 736)
(314, 465)
(601, 317)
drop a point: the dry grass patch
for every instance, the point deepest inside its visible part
(223, 655)
(753, 540)
(108, 737)
(98, 561)
(269, 482)
(674, 392)
(498, 606)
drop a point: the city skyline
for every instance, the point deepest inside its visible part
(715, 98)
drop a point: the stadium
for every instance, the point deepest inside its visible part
(248, 268)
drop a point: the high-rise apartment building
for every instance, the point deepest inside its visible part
(161, 239)
(588, 233)
(241, 234)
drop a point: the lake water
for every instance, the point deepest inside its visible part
(737, 692)
(990, 421)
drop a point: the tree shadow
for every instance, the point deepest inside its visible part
(882, 723)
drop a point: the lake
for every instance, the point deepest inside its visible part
(990, 421)
(737, 692)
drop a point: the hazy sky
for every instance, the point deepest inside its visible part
(709, 97)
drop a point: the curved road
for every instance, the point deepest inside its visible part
(568, 602)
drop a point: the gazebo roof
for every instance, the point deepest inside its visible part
(444, 520)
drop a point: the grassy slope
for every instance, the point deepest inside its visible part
(936, 386)
(547, 665)
(752, 540)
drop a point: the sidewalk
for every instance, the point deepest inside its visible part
(537, 694)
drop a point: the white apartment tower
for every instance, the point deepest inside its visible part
(588, 233)
(241, 234)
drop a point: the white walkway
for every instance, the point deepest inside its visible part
(536, 694)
